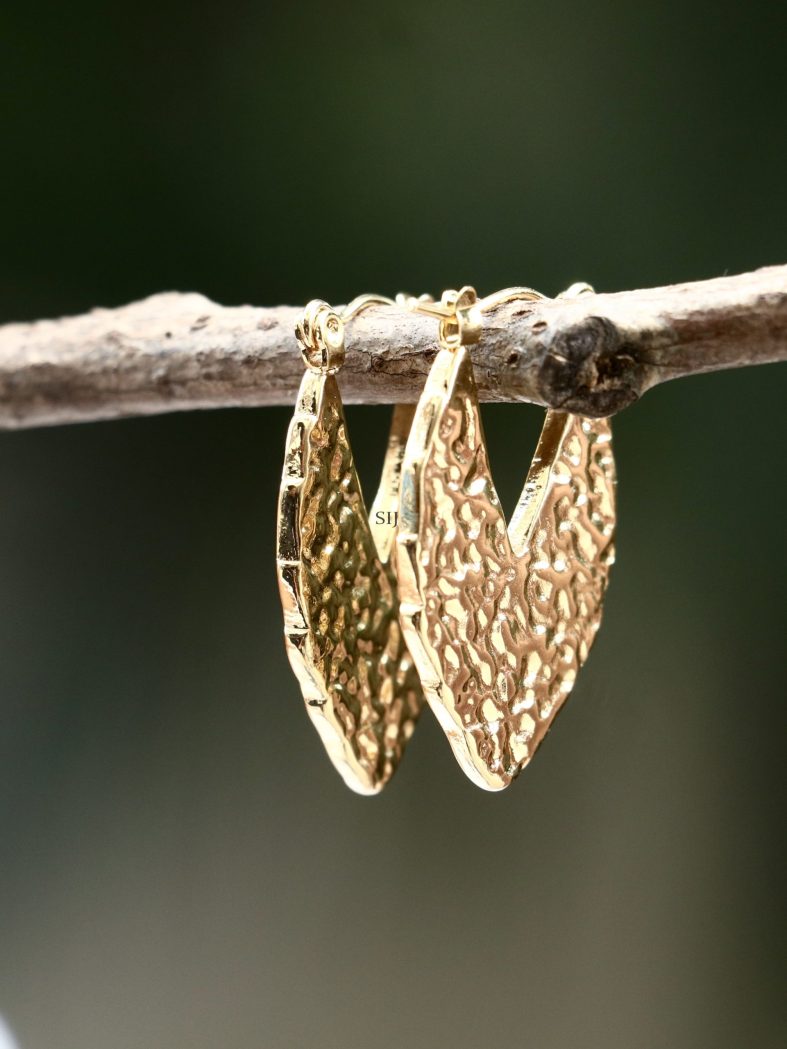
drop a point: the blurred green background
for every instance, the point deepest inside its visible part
(179, 864)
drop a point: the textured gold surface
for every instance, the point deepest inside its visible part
(500, 620)
(338, 591)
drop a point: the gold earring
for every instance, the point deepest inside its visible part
(498, 619)
(336, 581)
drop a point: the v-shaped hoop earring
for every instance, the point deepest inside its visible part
(336, 581)
(498, 619)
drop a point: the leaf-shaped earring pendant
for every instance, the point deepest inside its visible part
(500, 619)
(336, 581)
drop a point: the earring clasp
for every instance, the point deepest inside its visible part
(458, 312)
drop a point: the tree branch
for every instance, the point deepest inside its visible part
(594, 355)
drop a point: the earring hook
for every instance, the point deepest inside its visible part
(460, 314)
(320, 332)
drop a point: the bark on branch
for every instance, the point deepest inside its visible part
(593, 355)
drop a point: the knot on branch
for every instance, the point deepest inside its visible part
(588, 367)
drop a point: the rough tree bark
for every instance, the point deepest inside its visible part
(595, 355)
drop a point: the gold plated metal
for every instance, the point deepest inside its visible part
(498, 619)
(336, 580)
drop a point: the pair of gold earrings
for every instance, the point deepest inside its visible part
(489, 623)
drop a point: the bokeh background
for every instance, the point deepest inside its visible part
(179, 865)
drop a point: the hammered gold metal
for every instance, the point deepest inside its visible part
(499, 620)
(336, 580)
